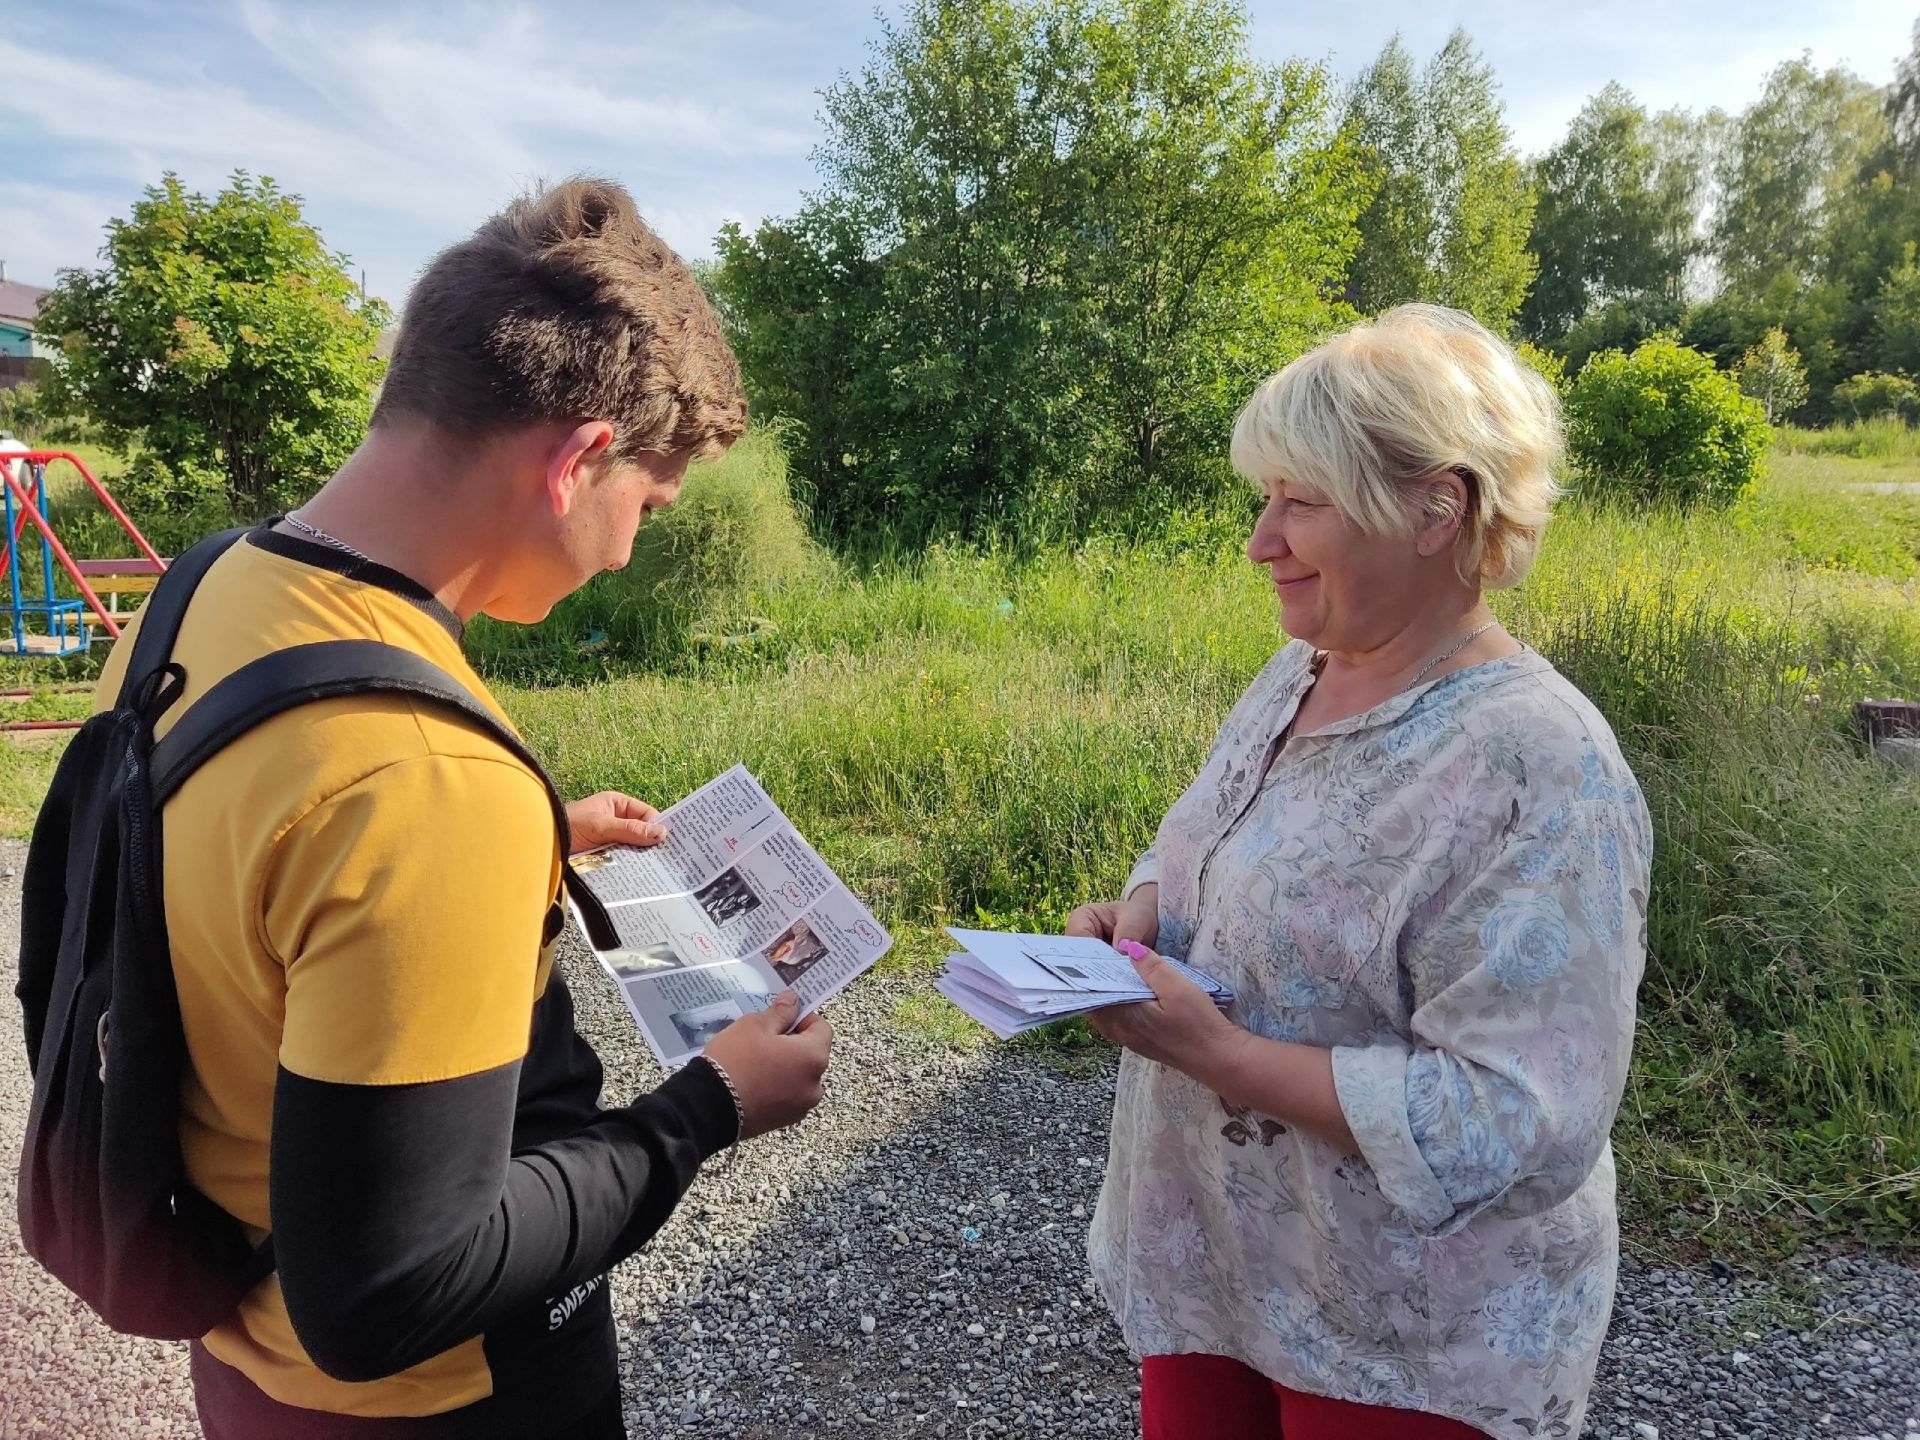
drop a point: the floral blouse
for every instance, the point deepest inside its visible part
(1448, 891)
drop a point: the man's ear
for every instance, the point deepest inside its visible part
(1443, 509)
(571, 461)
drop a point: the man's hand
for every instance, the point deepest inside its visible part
(1135, 918)
(1180, 1026)
(778, 1075)
(611, 818)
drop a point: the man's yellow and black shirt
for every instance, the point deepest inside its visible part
(384, 1071)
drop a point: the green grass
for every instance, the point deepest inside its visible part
(106, 463)
(1886, 437)
(971, 736)
(26, 769)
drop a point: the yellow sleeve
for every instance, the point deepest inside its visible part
(407, 910)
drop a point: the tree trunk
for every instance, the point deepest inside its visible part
(246, 476)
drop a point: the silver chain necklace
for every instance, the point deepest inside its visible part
(292, 518)
(1421, 673)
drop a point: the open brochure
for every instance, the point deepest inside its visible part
(729, 910)
(1012, 983)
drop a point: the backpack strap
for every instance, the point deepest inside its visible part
(327, 669)
(166, 607)
(300, 675)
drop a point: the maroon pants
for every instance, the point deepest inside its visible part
(1209, 1397)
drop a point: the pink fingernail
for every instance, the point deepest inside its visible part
(1132, 949)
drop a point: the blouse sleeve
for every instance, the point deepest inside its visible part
(1146, 870)
(1522, 1028)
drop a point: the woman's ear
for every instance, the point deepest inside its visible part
(1443, 509)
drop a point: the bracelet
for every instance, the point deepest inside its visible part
(739, 1110)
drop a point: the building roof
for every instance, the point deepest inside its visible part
(20, 302)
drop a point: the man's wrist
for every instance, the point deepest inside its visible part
(699, 1092)
(733, 1091)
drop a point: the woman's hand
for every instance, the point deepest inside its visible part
(611, 818)
(777, 1073)
(1136, 918)
(1180, 1026)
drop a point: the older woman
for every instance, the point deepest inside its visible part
(1377, 1199)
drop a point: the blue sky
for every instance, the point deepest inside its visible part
(404, 123)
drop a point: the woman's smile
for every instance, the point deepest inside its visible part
(1293, 586)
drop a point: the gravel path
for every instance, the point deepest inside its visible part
(909, 1263)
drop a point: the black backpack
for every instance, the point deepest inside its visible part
(104, 1200)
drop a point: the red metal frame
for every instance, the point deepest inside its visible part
(30, 510)
(44, 690)
(25, 500)
(152, 563)
(77, 570)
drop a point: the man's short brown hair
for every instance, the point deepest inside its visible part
(566, 306)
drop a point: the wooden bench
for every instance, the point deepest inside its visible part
(114, 578)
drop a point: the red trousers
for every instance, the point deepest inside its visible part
(1209, 1397)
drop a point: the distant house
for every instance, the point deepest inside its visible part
(19, 345)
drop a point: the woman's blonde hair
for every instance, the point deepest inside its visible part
(1421, 390)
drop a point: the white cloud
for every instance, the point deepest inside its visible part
(486, 89)
(430, 119)
(42, 223)
(135, 127)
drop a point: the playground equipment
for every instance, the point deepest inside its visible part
(65, 621)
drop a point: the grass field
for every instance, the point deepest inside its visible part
(1884, 437)
(990, 738)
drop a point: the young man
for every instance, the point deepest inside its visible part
(363, 893)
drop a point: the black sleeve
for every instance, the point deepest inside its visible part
(404, 1224)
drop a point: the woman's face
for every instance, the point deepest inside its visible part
(1340, 588)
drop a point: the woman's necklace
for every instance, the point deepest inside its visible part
(293, 519)
(1421, 673)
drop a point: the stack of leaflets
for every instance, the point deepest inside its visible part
(714, 921)
(1011, 983)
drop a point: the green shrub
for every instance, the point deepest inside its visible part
(1664, 424)
(23, 412)
(172, 508)
(1548, 366)
(249, 347)
(1873, 394)
(32, 413)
